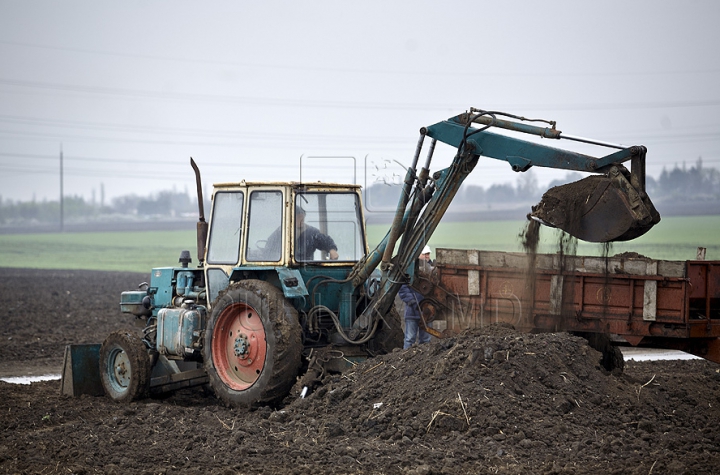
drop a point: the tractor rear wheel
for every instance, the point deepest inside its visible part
(124, 367)
(253, 349)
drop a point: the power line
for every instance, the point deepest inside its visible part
(147, 171)
(676, 136)
(36, 121)
(403, 72)
(386, 144)
(242, 161)
(90, 173)
(259, 143)
(174, 174)
(324, 104)
(246, 100)
(157, 162)
(250, 141)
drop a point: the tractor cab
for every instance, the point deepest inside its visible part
(280, 232)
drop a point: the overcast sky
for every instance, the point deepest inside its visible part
(131, 90)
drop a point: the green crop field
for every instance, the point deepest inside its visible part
(126, 251)
(674, 238)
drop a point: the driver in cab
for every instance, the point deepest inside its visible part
(308, 239)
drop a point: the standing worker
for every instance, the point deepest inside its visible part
(412, 298)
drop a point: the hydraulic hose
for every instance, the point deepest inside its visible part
(336, 321)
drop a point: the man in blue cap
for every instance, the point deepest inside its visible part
(412, 298)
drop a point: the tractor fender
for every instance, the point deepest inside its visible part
(290, 281)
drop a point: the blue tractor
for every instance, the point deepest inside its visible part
(286, 286)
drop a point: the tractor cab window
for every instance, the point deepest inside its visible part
(328, 227)
(226, 228)
(264, 241)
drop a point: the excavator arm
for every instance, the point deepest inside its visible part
(520, 154)
(610, 205)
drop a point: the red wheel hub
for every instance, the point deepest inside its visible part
(239, 346)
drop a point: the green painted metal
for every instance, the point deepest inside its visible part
(521, 154)
(161, 287)
(131, 301)
(81, 371)
(292, 282)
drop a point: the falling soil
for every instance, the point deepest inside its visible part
(566, 247)
(530, 236)
(486, 401)
(529, 239)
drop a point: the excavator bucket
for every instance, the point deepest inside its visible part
(599, 208)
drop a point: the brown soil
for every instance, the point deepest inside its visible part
(563, 205)
(630, 255)
(490, 401)
(44, 310)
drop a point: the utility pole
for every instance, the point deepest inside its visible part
(62, 210)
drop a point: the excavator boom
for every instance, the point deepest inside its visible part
(610, 205)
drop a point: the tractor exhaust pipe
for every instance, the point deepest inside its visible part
(202, 225)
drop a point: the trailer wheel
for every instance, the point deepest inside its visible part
(124, 367)
(389, 334)
(252, 350)
(612, 358)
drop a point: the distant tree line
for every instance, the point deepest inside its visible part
(695, 183)
(43, 212)
(678, 184)
(165, 204)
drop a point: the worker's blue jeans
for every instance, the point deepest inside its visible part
(414, 333)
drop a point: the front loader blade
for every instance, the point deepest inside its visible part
(599, 208)
(81, 371)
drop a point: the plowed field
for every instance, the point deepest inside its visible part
(488, 401)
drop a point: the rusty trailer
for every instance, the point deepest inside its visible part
(641, 301)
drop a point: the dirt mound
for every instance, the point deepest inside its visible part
(630, 255)
(487, 401)
(506, 401)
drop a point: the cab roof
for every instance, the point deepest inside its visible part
(293, 184)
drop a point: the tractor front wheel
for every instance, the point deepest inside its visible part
(124, 367)
(252, 350)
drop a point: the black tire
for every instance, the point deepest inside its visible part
(124, 367)
(612, 358)
(234, 338)
(389, 334)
